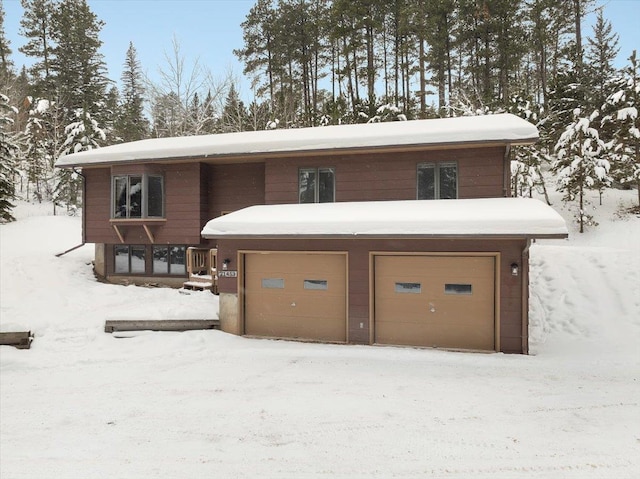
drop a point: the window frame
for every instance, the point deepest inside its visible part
(145, 194)
(129, 248)
(436, 166)
(168, 248)
(316, 184)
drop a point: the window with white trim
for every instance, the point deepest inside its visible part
(137, 196)
(437, 181)
(316, 185)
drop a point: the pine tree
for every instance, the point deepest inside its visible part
(233, 113)
(6, 65)
(111, 115)
(35, 154)
(580, 164)
(37, 26)
(526, 167)
(132, 124)
(78, 65)
(602, 49)
(83, 134)
(259, 35)
(622, 117)
(8, 153)
(209, 115)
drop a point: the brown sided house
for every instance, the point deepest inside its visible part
(376, 266)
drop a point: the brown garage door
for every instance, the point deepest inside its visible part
(439, 301)
(296, 295)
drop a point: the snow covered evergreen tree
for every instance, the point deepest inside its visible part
(6, 65)
(526, 166)
(36, 151)
(82, 135)
(8, 154)
(580, 163)
(621, 109)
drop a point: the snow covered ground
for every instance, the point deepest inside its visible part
(83, 404)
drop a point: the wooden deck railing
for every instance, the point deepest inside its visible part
(202, 269)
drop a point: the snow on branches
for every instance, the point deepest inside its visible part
(623, 124)
(581, 162)
(8, 153)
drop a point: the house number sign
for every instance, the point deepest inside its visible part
(227, 274)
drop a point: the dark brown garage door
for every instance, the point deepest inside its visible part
(296, 295)
(438, 301)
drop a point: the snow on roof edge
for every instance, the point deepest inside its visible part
(489, 217)
(505, 128)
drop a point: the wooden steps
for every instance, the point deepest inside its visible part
(20, 340)
(112, 326)
(199, 282)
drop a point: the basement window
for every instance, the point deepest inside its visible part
(437, 181)
(316, 185)
(129, 259)
(137, 196)
(169, 260)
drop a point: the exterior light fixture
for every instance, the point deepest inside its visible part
(515, 269)
(225, 263)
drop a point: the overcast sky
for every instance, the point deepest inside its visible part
(209, 30)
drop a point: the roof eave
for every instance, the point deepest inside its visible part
(258, 156)
(470, 236)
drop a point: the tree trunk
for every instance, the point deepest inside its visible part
(578, 19)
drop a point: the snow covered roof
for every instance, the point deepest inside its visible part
(493, 217)
(502, 128)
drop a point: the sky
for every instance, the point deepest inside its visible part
(209, 30)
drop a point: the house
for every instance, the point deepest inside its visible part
(409, 235)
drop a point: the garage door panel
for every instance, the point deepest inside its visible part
(304, 297)
(461, 315)
(293, 327)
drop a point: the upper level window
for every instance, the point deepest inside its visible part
(437, 181)
(138, 196)
(316, 185)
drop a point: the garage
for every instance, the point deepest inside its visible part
(295, 295)
(444, 301)
(429, 273)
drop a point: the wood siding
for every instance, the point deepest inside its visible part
(233, 187)
(97, 206)
(184, 200)
(196, 192)
(386, 176)
(510, 308)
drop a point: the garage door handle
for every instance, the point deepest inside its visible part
(293, 305)
(432, 308)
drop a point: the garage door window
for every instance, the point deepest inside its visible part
(412, 288)
(318, 284)
(272, 283)
(458, 289)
